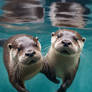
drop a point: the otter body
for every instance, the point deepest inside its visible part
(64, 55)
(62, 64)
(22, 58)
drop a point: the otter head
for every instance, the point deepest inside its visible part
(25, 49)
(67, 42)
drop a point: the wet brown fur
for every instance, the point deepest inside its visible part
(17, 73)
(60, 64)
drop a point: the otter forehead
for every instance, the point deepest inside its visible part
(24, 40)
(68, 33)
(27, 42)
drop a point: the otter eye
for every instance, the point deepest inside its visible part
(19, 49)
(59, 35)
(76, 39)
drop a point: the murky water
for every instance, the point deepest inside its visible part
(41, 18)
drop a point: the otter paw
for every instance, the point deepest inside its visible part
(61, 90)
(24, 91)
(56, 81)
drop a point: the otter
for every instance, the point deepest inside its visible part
(22, 58)
(64, 56)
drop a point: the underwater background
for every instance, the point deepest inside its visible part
(41, 19)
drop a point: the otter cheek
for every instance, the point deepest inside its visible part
(75, 48)
(39, 45)
(38, 55)
(81, 44)
(21, 58)
(53, 39)
(58, 45)
(14, 53)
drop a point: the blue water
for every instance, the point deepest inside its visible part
(39, 83)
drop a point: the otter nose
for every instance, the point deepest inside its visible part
(66, 43)
(30, 54)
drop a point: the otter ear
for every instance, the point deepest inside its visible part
(83, 39)
(53, 33)
(10, 46)
(37, 38)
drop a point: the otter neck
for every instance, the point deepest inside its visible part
(56, 57)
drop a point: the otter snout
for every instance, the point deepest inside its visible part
(66, 43)
(30, 53)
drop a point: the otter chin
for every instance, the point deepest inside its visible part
(22, 58)
(63, 56)
(29, 62)
(65, 50)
